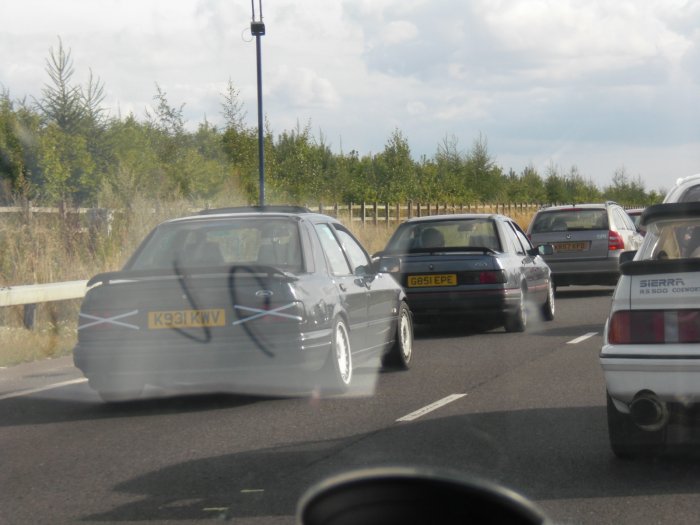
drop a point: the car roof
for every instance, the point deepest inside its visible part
(456, 216)
(255, 211)
(584, 206)
(682, 185)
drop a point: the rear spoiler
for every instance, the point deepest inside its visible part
(650, 267)
(676, 210)
(135, 275)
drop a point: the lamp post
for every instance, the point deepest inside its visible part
(257, 29)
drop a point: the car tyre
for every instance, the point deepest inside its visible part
(549, 307)
(338, 371)
(401, 352)
(517, 321)
(629, 441)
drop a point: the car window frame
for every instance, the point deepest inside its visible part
(521, 237)
(318, 226)
(340, 229)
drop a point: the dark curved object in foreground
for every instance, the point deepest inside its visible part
(406, 496)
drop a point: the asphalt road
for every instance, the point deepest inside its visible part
(527, 411)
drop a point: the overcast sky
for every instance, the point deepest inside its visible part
(601, 85)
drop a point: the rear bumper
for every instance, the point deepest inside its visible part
(577, 271)
(673, 378)
(165, 363)
(476, 302)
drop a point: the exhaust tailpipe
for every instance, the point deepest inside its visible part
(648, 412)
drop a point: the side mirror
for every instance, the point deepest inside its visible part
(388, 265)
(413, 495)
(542, 249)
(627, 256)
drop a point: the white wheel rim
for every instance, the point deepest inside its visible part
(551, 298)
(405, 336)
(342, 353)
(523, 308)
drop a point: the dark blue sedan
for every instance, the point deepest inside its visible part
(468, 266)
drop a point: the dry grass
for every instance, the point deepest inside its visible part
(20, 345)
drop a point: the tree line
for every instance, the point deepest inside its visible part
(65, 148)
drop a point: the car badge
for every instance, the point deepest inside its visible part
(568, 236)
(264, 293)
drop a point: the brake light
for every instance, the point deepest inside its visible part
(492, 277)
(615, 241)
(654, 327)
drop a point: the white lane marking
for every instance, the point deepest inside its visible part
(43, 388)
(582, 338)
(429, 408)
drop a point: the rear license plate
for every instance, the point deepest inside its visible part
(187, 318)
(570, 246)
(447, 279)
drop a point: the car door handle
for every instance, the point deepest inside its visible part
(343, 287)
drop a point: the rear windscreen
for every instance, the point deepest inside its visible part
(570, 220)
(249, 241)
(691, 195)
(453, 234)
(674, 238)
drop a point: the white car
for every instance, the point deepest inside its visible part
(686, 190)
(651, 351)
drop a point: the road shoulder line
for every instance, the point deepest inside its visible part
(29, 391)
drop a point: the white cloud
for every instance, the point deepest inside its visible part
(302, 87)
(399, 31)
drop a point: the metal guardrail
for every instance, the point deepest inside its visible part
(32, 294)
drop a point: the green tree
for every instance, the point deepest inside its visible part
(394, 171)
(67, 166)
(232, 108)
(13, 168)
(296, 166)
(481, 175)
(627, 190)
(135, 167)
(61, 102)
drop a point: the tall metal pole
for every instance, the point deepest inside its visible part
(257, 28)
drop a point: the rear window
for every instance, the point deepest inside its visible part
(257, 241)
(691, 195)
(463, 233)
(671, 239)
(570, 220)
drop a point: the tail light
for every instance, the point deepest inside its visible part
(492, 277)
(654, 327)
(615, 241)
